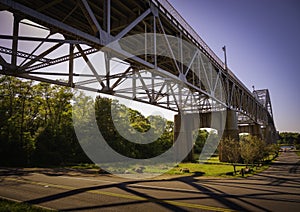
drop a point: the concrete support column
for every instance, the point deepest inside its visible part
(183, 133)
(231, 130)
(231, 127)
(256, 131)
(269, 135)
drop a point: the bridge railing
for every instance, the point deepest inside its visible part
(190, 32)
(179, 21)
(187, 28)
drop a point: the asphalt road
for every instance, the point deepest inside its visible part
(276, 189)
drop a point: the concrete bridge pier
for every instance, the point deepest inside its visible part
(183, 133)
(252, 129)
(231, 126)
(185, 126)
(269, 135)
(231, 130)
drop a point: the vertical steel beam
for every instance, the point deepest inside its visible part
(146, 43)
(108, 19)
(152, 84)
(134, 84)
(15, 40)
(181, 52)
(154, 41)
(71, 64)
(107, 69)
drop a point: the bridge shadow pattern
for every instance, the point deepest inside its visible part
(259, 187)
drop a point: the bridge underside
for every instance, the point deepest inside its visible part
(138, 50)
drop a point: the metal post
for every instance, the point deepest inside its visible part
(108, 20)
(154, 41)
(71, 65)
(107, 67)
(15, 40)
(225, 56)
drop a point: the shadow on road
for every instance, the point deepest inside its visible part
(237, 194)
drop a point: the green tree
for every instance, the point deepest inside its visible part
(200, 141)
(17, 111)
(289, 138)
(36, 123)
(231, 151)
(134, 124)
(252, 149)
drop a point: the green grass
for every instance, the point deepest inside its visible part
(210, 168)
(214, 170)
(85, 166)
(298, 153)
(7, 205)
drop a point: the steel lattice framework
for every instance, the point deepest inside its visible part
(152, 66)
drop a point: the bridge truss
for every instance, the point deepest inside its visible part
(141, 50)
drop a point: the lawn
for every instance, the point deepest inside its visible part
(212, 170)
(7, 205)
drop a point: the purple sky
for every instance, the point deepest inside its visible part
(262, 39)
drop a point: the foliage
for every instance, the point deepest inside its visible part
(200, 141)
(289, 138)
(253, 149)
(230, 149)
(135, 125)
(36, 125)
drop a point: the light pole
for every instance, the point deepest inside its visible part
(225, 56)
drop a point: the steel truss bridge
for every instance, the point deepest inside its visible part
(136, 49)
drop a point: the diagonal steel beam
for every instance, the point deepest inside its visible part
(88, 62)
(3, 62)
(32, 61)
(91, 16)
(120, 79)
(191, 62)
(169, 46)
(144, 86)
(35, 49)
(50, 4)
(132, 25)
(48, 20)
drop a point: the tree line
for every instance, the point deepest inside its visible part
(289, 138)
(36, 125)
(36, 128)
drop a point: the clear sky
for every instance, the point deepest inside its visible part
(262, 39)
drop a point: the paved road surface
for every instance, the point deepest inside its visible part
(277, 189)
